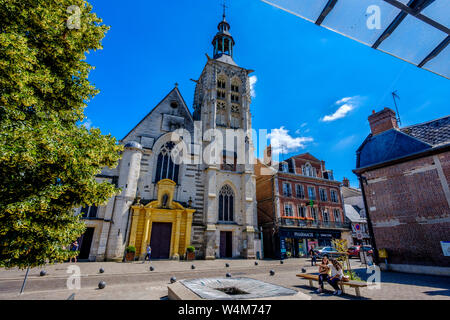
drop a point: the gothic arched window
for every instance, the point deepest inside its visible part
(226, 204)
(165, 168)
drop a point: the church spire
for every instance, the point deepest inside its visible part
(223, 42)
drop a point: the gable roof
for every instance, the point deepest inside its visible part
(399, 143)
(183, 102)
(307, 156)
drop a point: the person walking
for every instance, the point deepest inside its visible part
(337, 274)
(149, 253)
(324, 269)
(313, 256)
(74, 248)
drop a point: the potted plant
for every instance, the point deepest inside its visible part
(131, 251)
(190, 253)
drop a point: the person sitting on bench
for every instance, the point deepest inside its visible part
(324, 269)
(336, 275)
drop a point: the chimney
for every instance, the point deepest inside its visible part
(346, 182)
(382, 121)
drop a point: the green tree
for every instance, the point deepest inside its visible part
(48, 161)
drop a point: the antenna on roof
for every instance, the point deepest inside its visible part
(395, 95)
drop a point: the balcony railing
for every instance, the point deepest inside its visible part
(308, 223)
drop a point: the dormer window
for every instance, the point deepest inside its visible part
(308, 170)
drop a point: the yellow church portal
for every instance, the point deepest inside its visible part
(164, 224)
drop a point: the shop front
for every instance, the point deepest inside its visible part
(296, 243)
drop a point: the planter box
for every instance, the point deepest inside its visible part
(129, 256)
(190, 256)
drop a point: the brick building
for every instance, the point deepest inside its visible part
(404, 174)
(299, 205)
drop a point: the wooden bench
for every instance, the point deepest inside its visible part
(353, 284)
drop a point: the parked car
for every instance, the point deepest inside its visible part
(329, 251)
(353, 251)
(368, 249)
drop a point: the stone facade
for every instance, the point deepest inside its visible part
(198, 182)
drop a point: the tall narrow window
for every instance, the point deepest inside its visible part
(288, 210)
(323, 194)
(165, 168)
(229, 164)
(226, 204)
(235, 116)
(337, 215)
(314, 213)
(221, 112)
(299, 191)
(311, 193)
(302, 211)
(325, 216)
(334, 196)
(287, 192)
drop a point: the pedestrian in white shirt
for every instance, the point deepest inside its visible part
(337, 274)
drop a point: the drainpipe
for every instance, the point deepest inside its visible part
(369, 221)
(109, 229)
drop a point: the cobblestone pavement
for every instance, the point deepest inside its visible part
(135, 281)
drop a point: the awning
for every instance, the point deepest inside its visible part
(416, 31)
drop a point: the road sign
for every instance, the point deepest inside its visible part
(359, 236)
(357, 227)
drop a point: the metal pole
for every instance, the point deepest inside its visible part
(24, 281)
(369, 222)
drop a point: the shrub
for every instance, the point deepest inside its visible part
(131, 249)
(190, 249)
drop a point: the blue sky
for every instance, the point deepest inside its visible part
(305, 74)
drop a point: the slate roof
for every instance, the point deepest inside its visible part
(398, 143)
(352, 213)
(435, 132)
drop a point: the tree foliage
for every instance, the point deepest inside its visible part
(48, 161)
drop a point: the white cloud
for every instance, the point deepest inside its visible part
(253, 80)
(283, 142)
(87, 123)
(347, 104)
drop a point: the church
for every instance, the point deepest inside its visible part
(210, 205)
